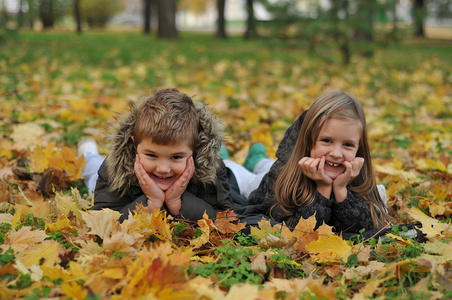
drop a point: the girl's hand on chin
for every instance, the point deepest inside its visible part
(314, 168)
(352, 170)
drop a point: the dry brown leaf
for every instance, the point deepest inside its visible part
(259, 263)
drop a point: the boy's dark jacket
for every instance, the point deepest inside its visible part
(351, 215)
(117, 187)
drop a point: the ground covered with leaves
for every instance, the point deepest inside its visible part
(56, 88)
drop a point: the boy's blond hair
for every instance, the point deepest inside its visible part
(168, 117)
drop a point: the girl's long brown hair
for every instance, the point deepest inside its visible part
(293, 189)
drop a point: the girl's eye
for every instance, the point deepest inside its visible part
(151, 155)
(349, 145)
(177, 157)
(326, 140)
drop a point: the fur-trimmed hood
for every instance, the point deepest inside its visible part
(120, 161)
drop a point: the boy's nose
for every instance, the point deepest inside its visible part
(163, 167)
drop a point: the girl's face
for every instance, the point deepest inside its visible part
(338, 141)
(164, 163)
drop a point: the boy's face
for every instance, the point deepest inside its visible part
(338, 141)
(164, 163)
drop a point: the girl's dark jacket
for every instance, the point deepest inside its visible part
(208, 191)
(351, 215)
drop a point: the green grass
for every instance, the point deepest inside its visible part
(130, 47)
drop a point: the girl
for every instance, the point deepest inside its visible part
(324, 168)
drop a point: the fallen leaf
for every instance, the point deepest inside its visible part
(101, 221)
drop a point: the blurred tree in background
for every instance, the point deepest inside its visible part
(167, 19)
(221, 21)
(97, 13)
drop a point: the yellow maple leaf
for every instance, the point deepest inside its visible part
(56, 272)
(62, 223)
(74, 290)
(303, 233)
(332, 248)
(431, 227)
(24, 238)
(204, 237)
(160, 272)
(39, 210)
(238, 291)
(264, 228)
(161, 226)
(67, 159)
(49, 250)
(76, 270)
(101, 221)
(39, 158)
(65, 203)
(408, 176)
(6, 218)
(122, 243)
(89, 248)
(429, 164)
(27, 135)
(437, 209)
(204, 288)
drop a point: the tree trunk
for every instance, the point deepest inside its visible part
(394, 14)
(31, 13)
(419, 16)
(167, 19)
(78, 16)
(341, 34)
(21, 17)
(251, 21)
(46, 14)
(365, 29)
(147, 17)
(221, 22)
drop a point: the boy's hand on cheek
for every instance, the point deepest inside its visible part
(352, 169)
(154, 194)
(174, 193)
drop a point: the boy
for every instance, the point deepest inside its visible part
(163, 154)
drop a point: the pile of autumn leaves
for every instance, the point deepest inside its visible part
(56, 247)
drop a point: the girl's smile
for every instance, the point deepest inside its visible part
(338, 141)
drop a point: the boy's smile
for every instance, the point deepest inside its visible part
(163, 163)
(338, 141)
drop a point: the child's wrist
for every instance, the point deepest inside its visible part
(324, 190)
(154, 204)
(174, 205)
(340, 193)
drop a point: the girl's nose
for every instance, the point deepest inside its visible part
(336, 152)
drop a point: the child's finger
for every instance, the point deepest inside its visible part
(322, 164)
(314, 165)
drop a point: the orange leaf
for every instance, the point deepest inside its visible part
(224, 224)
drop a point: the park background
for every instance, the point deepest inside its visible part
(67, 67)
